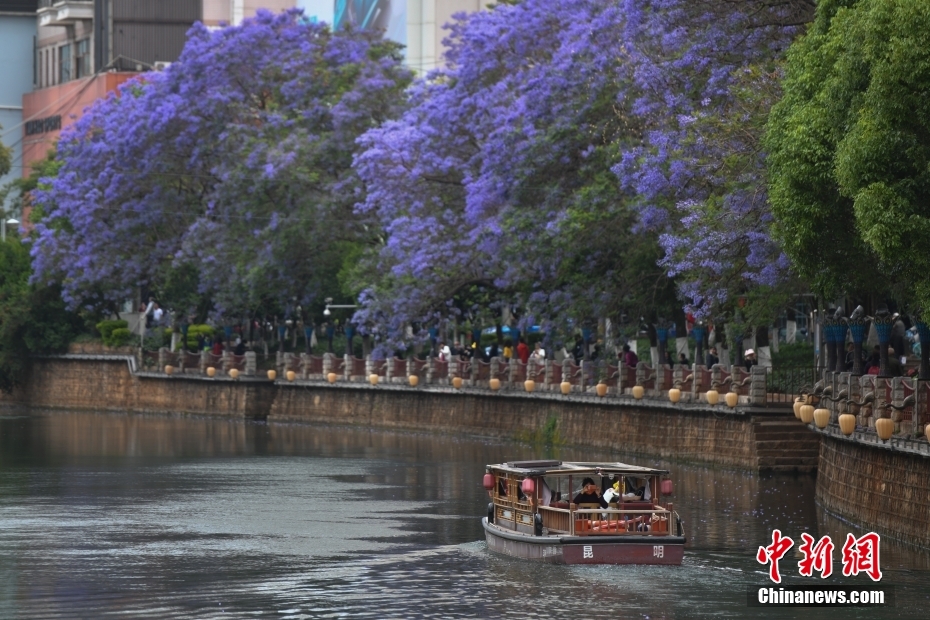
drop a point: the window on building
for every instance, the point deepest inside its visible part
(82, 59)
(64, 63)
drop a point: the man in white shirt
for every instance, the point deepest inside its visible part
(538, 354)
(445, 353)
(157, 314)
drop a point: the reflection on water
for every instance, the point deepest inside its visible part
(172, 517)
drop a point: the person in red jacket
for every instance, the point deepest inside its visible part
(523, 351)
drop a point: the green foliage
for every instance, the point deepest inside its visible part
(106, 329)
(197, 330)
(6, 157)
(33, 320)
(119, 337)
(849, 158)
(797, 355)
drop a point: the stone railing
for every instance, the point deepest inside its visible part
(692, 383)
(886, 407)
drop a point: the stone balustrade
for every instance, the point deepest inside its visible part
(904, 400)
(546, 375)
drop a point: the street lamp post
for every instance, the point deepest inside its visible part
(329, 329)
(4, 223)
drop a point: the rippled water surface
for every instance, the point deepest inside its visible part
(170, 517)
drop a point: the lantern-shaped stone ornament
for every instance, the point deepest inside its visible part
(373, 379)
(331, 377)
(798, 403)
(807, 413)
(674, 395)
(638, 392)
(272, 375)
(601, 389)
(169, 370)
(732, 399)
(821, 417)
(529, 385)
(457, 383)
(234, 373)
(885, 428)
(494, 384)
(566, 387)
(211, 371)
(712, 396)
(291, 375)
(847, 424)
(413, 380)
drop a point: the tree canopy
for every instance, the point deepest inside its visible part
(544, 165)
(848, 150)
(228, 174)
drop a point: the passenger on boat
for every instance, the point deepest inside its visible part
(590, 494)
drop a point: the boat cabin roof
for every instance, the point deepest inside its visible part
(565, 468)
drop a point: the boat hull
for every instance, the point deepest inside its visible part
(657, 550)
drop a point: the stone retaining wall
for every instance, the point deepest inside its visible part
(876, 487)
(715, 435)
(722, 437)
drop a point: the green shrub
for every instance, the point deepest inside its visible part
(195, 330)
(106, 329)
(119, 337)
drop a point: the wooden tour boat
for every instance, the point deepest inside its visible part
(531, 515)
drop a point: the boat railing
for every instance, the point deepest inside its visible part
(516, 513)
(608, 521)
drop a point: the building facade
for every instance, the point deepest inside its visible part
(17, 41)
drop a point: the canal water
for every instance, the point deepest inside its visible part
(178, 517)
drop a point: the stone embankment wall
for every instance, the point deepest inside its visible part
(880, 487)
(718, 435)
(102, 384)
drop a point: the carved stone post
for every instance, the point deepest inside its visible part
(251, 363)
(883, 324)
(830, 333)
(162, 358)
(698, 332)
(840, 346)
(923, 331)
(389, 369)
(662, 334)
(757, 389)
(858, 329)
(347, 367)
(327, 363)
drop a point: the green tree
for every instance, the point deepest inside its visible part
(33, 319)
(849, 150)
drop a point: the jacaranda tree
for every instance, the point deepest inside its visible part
(231, 170)
(541, 167)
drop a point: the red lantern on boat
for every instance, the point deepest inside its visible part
(666, 487)
(488, 482)
(528, 486)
